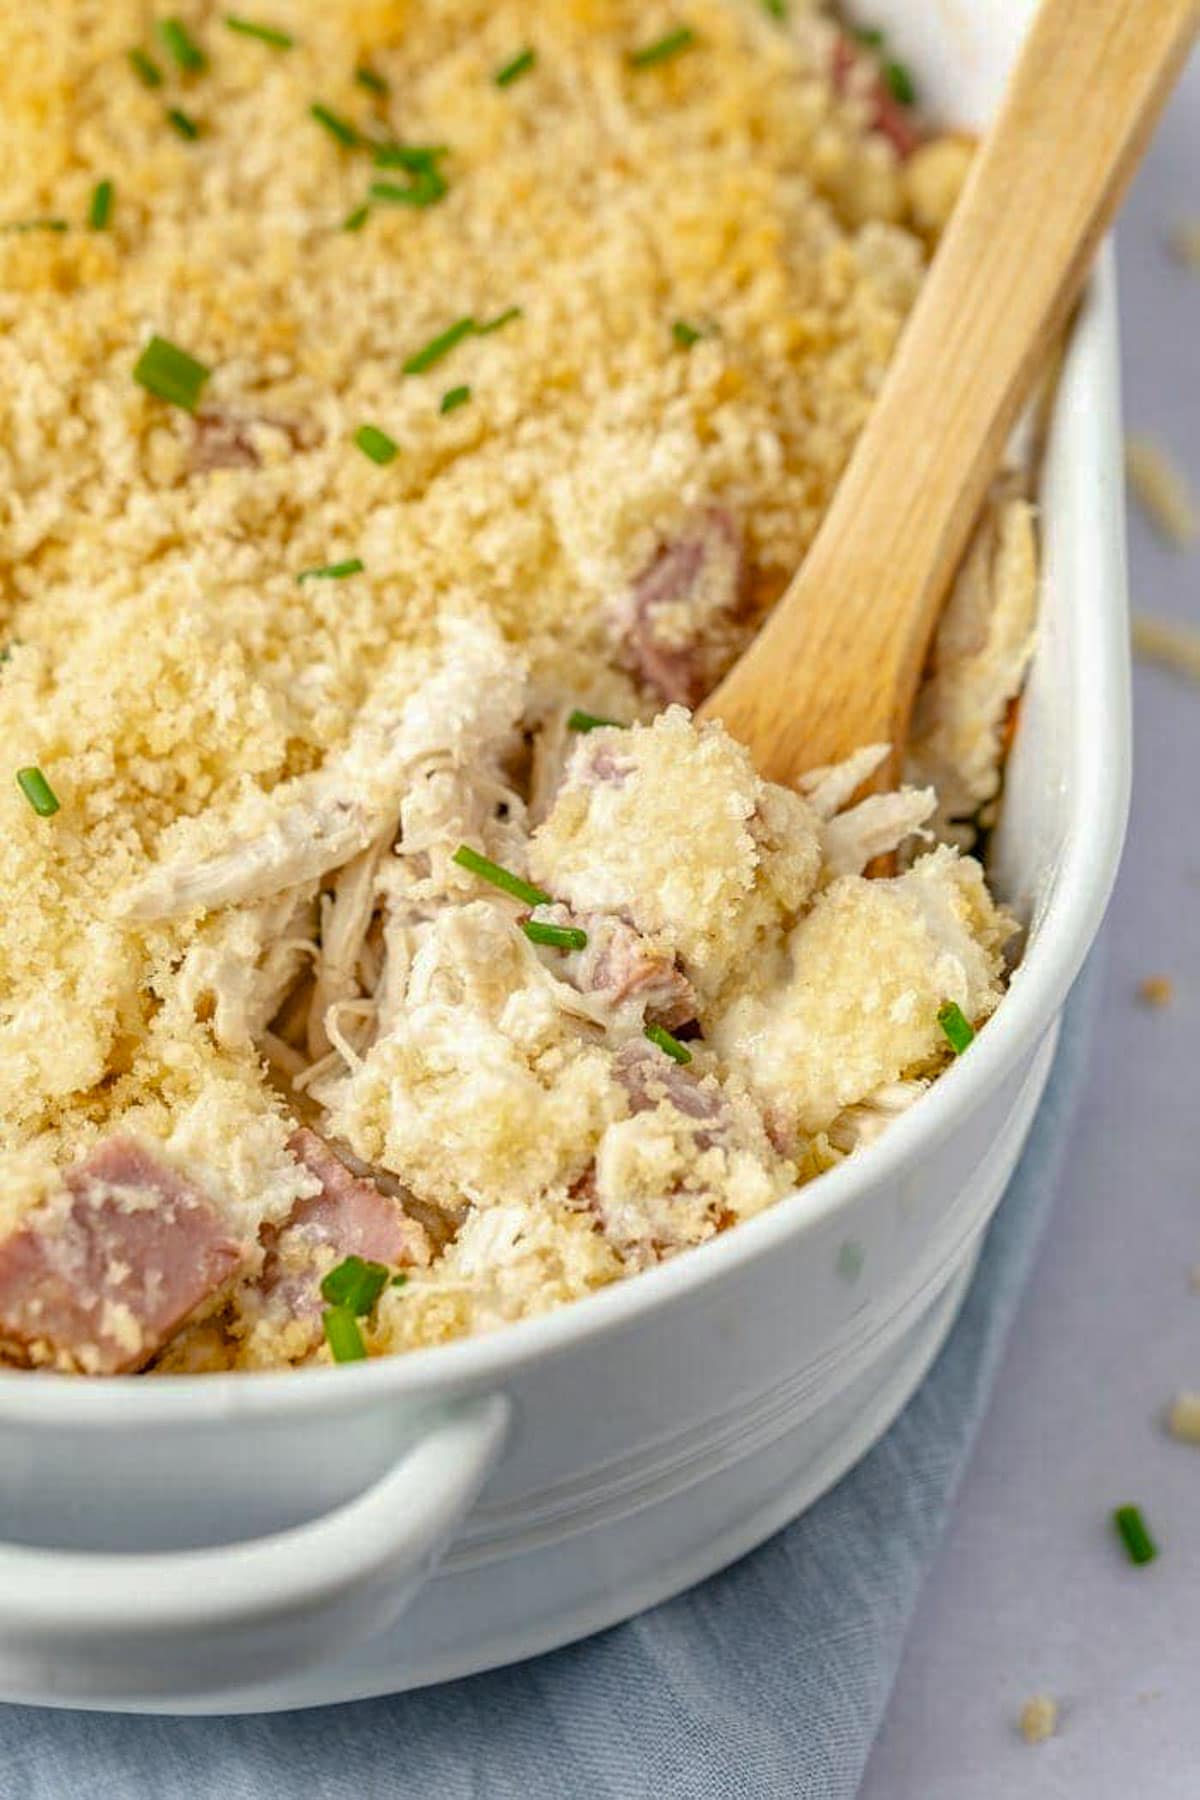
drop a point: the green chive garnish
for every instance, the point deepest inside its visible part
(438, 347)
(900, 83)
(376, 444)
(170, 374)
(342, 1335)
(661, 51)
(177, 42)
(453, 398)
(375, 84)
(100, 210)
(355, 1284)
(357, 219)
(266, 34)
(399, 1280)
(685, 335)
(501, 319)
(658, 1034)
(418, 159)
(354, 565)
(870, 35)
(18, 227)
(1131, 1527)
(776, 8)
(475, 864)
(147, 72)
(560, 937)
(38, 792)
(183, 124)
(958, 1028)
(425, 189)
(336, 127)
(512, 71)
(585, 721)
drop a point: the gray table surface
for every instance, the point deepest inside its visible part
(1029, 1593)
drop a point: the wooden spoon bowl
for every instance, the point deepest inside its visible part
(837, 664)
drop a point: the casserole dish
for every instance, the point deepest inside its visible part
(252, 1541)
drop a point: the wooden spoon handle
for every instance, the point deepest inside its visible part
(837, 664)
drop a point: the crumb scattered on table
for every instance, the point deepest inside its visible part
(1162, 490)
(1174, 646)
(1156, 990)
(1185, 242)
(1183, 1420)
(1039, 1718)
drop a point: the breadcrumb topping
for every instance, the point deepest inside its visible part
(285, 629)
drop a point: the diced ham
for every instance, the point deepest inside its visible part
(224, 441)
(619, 964)
(886, 115)
(100, 1278)
(685, 619)
(348, 1217)
(650, 1077)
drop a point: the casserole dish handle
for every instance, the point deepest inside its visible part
(94, 1627)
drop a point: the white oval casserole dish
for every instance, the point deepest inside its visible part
(242, 1542)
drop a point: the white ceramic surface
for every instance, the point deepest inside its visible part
(736, 1382)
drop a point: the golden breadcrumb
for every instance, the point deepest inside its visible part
(1162, 489)
(1039, 1719)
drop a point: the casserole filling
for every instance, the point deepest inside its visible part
(407, 413)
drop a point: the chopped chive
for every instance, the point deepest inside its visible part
(585, 721)
(900, 83)
(100, 210)
(183, 124)
(438, 347)
(505, 318)
(355, 1284)
(147, 72)
(475, 864)
(776, 8)
(376, 444)
(1131, 1528)
(560, 937)
(685, 335)
(170, 374)
(958, 1028)
(336, 127)
(400, 1280)
(266, 34)
(355, 220)
(38, 792)
(453, 398)
(367, 78)
(177, 42)
(18, 227)
(512, 71)
(870, 35)
(342, 1335)
(663, 49)
(658, 1034)
(426, 188)
(418, 159)
(354, 565)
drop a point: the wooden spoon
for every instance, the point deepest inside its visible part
(836, 665)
